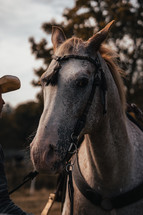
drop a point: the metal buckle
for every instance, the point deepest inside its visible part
(70, 148)
(69, 167)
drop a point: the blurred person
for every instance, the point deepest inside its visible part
(7, 83)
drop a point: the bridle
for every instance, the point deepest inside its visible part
(98, 81)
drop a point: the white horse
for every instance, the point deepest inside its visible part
(110, 158)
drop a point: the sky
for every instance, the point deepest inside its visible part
(19, 20)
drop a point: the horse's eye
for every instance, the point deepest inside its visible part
(82, 82)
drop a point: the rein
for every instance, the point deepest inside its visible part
(27, 178)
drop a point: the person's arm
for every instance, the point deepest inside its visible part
(6, 204)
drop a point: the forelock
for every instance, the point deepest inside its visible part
(73, 45)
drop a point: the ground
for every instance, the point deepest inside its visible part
(34, 203)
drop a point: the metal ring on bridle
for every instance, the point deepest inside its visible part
(74, 137)
(69, 167)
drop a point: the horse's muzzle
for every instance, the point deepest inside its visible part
(45, 159)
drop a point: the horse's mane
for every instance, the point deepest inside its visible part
(110, 57)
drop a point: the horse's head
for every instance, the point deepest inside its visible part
(67, 85)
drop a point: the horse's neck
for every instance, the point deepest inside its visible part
(105, 151)
(109, 157)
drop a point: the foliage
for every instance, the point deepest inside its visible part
(89, 16)
(17, 127)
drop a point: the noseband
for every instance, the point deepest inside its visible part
(98, 81)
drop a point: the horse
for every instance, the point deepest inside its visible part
(84, 128)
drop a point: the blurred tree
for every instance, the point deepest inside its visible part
(26, 117)
(7, 134)
(89, 16)
(18, 127)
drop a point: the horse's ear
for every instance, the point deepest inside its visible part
(58, 37)
(96, 40)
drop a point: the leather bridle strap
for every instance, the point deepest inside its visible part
(97, 199)
(78, 57)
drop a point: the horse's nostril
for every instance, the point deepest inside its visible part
(51, 149)
(49, 155)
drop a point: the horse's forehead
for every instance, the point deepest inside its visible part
(70, 68)
(74, 67)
